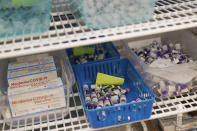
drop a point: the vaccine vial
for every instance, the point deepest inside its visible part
(102, 96)
(87, 93)
(153, 55)
(89, 106)
(117, 92)
(100, 104)
(93, 95)
(93, 87)
(97, 89)
(172, 89)
(85, 87)
(107, 103)
(114, 99)
(123, 99)
(156, 89)
(87, 99)
(165, 47)
(108, 96)
(164, 90)
(106, 88)
(95, 100)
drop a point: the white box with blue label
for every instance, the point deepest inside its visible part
(45, 97)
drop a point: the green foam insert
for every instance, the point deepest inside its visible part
(103, 79)
(79, 51)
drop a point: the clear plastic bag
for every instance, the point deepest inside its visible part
(169, 87)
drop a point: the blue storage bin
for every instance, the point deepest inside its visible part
(109, 13)
(111, 51)
(132, 111)
(25, 17)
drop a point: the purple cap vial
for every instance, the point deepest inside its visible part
(117, 92)
(182, 86)
(94, 106)
(87, 99)
(181, 60)
(94, 100)
(114, 99)
(108, 96)
(175, 93)
(107, 103)
(100, 104)
(159, 54)
(87, 93)
(93, 87)
(85, 87)
(89, 106)
(103, 98)
(93, 95)
(115, 103)
(123, 99)
(164, 92)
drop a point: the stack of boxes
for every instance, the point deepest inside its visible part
(34, 85)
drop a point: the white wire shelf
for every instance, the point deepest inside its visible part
(76, 119)
(66, 31)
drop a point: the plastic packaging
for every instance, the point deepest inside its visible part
(177, 74)
(64, 72)
(24, 17)
(110, 13)
(134, 85)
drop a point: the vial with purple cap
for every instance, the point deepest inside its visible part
(85, 87)
(101, 96)
(182, 88)
(100, 104)
(87, 99)
(172, 89)
(123, 99)
(116, 92)
(163, 87)
(93, 95)
(89, 105)
(94, 102)
(93, 87)
(114, 99)
(107, 103)
(87, 93)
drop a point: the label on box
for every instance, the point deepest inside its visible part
(31, 70)
(30, 85)
(29, 79)
(18, 65)
(38, 101)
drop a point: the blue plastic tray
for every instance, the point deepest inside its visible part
(132, 111)
(108, 47)
(24, 19)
